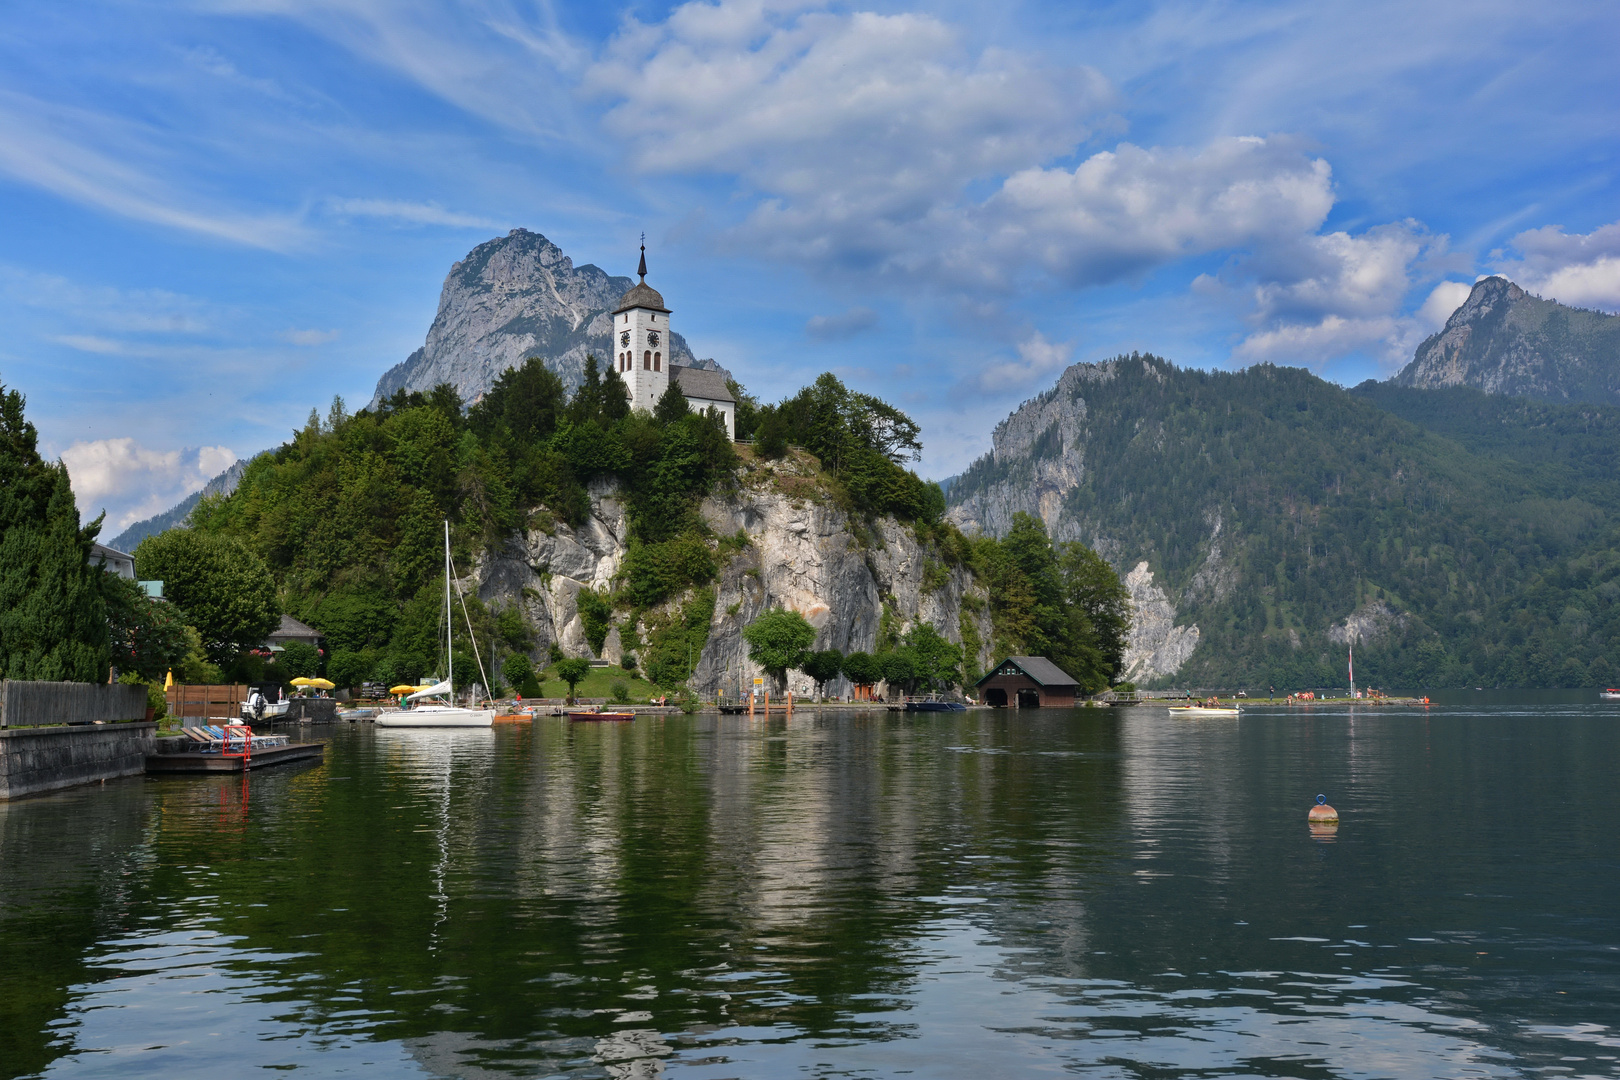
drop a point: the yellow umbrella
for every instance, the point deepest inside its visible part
(303, 681)
(168, 684)
(402, 689)
(322, 684)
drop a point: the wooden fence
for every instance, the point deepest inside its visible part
(29, 703)
(202, 702)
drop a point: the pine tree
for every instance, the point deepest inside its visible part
(671, 405)
(53, 620)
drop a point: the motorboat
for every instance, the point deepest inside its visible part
(444, 713)
(1611, 694)
(933, 704)
(586, 715)
(265, 711)
(1204, 710)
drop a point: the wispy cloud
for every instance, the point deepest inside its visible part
(414, 213)
(841, 327)
(58, 149)
(309, 338)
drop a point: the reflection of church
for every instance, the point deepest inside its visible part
(642, 347)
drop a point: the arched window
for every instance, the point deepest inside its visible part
(658, 360)
(646, 361)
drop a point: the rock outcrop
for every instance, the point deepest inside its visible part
(803, 554)
(1503, 340)
(512, 298)
(1158, 647)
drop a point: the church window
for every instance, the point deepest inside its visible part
(658, 359)
(646, 361)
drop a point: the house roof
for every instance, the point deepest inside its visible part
(110, 554)
(701, 383)
(292, 628)
(1038, 668)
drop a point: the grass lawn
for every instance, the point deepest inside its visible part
(599, 684)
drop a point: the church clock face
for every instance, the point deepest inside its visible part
(624, 340)
(652, 338)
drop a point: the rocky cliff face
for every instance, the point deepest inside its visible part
(1505, 341)
(804, 554)
(512, 298)
(1039, 458)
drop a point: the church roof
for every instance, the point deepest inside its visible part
(641, 295)
(702, 383)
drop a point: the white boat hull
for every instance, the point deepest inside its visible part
(436, 716)
(1201, 710)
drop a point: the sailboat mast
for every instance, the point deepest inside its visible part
(1352, 668)
(449, 625)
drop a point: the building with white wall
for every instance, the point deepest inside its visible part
(641, 346)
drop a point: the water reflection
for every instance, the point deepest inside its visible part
(1115, 893)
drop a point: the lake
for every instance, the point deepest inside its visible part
(1106, 893)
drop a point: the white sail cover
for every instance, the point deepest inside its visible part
(435, 689)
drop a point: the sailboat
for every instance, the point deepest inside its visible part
(446, 713)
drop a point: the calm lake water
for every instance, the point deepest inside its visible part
(1108, 893)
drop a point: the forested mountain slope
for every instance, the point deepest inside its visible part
(1284, 516)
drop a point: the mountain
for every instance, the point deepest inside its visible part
(223, 484)
(511, 298)
(1503, 340)
(1265, 519)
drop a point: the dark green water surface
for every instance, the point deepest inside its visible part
(1104, 893)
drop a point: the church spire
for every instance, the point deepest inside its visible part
(642, 269)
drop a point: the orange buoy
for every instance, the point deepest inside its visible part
(1322, 813)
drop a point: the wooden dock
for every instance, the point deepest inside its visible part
(224, 763)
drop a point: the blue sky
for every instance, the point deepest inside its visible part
(219, 214)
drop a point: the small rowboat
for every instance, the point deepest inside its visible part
(584, 715)
(1204, 710)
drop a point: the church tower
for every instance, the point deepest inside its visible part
(641, 341)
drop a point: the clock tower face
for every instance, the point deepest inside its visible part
(652, 338)
(624, 340)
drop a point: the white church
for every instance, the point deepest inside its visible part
(641, 338)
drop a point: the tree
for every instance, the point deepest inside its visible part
(862, 669)
(520, 673)
(771, 433)
(148, 637)
(300, 660)
(777, 640)
(938, 663)
(225, 589)
(573, 672)
(672, 404)
(899, 670)
(1092, 587)
(823, 667)
(53, 618)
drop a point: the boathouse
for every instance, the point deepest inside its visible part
(1028, 682)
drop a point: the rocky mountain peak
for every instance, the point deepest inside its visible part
(511, 298)
(1503, 340)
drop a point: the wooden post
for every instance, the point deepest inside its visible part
(790, 703)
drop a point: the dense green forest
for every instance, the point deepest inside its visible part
(347, 516)
(1272, 504)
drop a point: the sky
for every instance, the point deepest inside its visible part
(218, 215)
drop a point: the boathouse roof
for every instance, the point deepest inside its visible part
(1038, 668)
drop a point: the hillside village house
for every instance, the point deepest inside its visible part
(641, 345)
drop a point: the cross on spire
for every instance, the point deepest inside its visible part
(642, 270)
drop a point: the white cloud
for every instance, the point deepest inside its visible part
(131, 482)
(841, 327)
(1582, 271)
(1038, 359)
(1446, 298)
(412, 212)
(89, 343)
(1130, 209)
(850, 133)
(87, 158)
(136, 311)
(308, 338)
